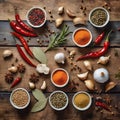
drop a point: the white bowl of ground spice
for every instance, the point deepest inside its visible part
(20, 98)
(82, 100)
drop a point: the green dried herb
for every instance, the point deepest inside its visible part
(42, 100)
(39, 55)
(58, 38)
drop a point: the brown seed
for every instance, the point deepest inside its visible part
(27, 41)
(65, 48)
(4, 38)
(44, 7)
(51, 16)
(49, 11)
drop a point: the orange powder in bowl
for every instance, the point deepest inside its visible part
(82, 37)
(60, 77)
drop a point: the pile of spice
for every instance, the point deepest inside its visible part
(99, 17)
(81, 100)
(36, 16)
(20, 98)
(58, 100)
(60, 77)
(82, 37)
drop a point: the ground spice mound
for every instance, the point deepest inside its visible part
(60, 77)
(20, 98)
(81, 100)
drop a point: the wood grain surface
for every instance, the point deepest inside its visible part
(8, 9)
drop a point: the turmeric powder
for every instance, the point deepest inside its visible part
(82, 37)
(60, 77)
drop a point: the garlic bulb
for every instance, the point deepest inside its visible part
(44, 85)
(13, 69)
(101, 75)
(103, 60)
(90, 84)
(88, 65)
(60, 58)
(7, 53)
(60, 10)
(58, 22)
(109, 86)
(83, 76)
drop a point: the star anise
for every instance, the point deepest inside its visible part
(21, 68)
(9, 78)
(34, 78)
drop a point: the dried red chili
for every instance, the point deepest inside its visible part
(103, 105)
(22, 24)
(24, 43)
(18, 29)
(24, 56)
(97, 53)
(99, 38)
(16, 81)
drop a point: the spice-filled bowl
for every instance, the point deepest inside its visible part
(82, 100)
(36, 17)
(20, 98)
(59, 77)
(82, 37)
(99, 17)
(58, 100)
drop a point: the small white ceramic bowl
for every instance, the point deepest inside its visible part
(81, 28)
(28, 21)
(89, 104)
(58, 109)
(57, 84)
(107, 20)
(18, 107)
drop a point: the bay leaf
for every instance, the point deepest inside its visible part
(38, 94)
(39, 55)
(40, 105)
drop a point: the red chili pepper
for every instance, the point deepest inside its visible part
(99, 38)
(22, 24)
(24, 43)
(16, 81)
(97, 53)
(24, 56)
(103, 105)
(18, 29)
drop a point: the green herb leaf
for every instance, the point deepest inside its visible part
(39, 55)
(40, 105)
(38, 94)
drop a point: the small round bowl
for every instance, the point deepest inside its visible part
(11, 100)
(55, 108)
(107, 19)
(40, 24)
(57, 84)
(82, 28)
(89, 104)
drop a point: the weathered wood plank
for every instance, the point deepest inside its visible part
(70, 113)
(7, 39)
(112, 67)
(53, 5)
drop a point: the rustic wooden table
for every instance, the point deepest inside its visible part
(7, 112)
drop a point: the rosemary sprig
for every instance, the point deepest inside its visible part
(58, 38)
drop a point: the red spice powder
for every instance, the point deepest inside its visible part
(82, 37)
(60, 77)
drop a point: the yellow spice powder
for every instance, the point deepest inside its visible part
(81, 100)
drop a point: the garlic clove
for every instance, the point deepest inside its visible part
(90, 84)
(83, 76)
(88, 65)
(103, 60)
(79, 20)
(70, 13)
(72, 53)
(31, 85)
(59, 58)
(7, 53)
(109, 86)
(58, 22)
(60, 10)
(13, 69)
(44, 85)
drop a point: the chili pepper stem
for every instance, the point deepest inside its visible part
(107, 38)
